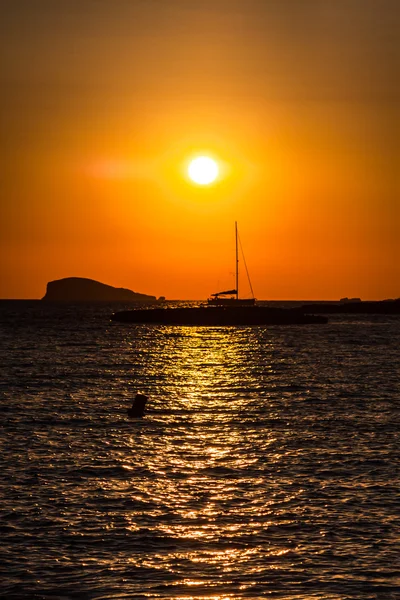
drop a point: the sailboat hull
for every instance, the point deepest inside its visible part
(231, 302)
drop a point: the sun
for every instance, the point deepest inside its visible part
(203, 170)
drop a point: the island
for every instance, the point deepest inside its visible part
(80, 289)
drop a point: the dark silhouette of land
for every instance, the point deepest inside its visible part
(80, 289)
(354, 306)
(312, 313)
(218, 315)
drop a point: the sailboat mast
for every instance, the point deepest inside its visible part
(237, 262)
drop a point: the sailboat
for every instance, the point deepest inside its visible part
(222, 309)
(221, 298)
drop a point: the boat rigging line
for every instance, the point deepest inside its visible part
(245, 264)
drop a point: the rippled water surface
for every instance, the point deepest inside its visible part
(267, 465)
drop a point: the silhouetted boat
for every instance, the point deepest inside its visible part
(221, 298)
(221, 311)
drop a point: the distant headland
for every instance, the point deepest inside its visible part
(80, 289)
(355, 306)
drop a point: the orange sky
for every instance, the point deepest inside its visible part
(104, 101)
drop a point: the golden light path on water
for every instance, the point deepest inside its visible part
(196, 473)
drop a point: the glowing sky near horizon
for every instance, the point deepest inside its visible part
(104, 102)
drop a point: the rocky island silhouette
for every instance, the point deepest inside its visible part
(81, 289)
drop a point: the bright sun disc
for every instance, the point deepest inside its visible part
(203, 170)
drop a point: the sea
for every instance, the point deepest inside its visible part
(266, 465)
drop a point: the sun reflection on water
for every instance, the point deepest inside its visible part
(193, 489)
(204, 363)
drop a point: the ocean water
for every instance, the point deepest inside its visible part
(267, 465)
